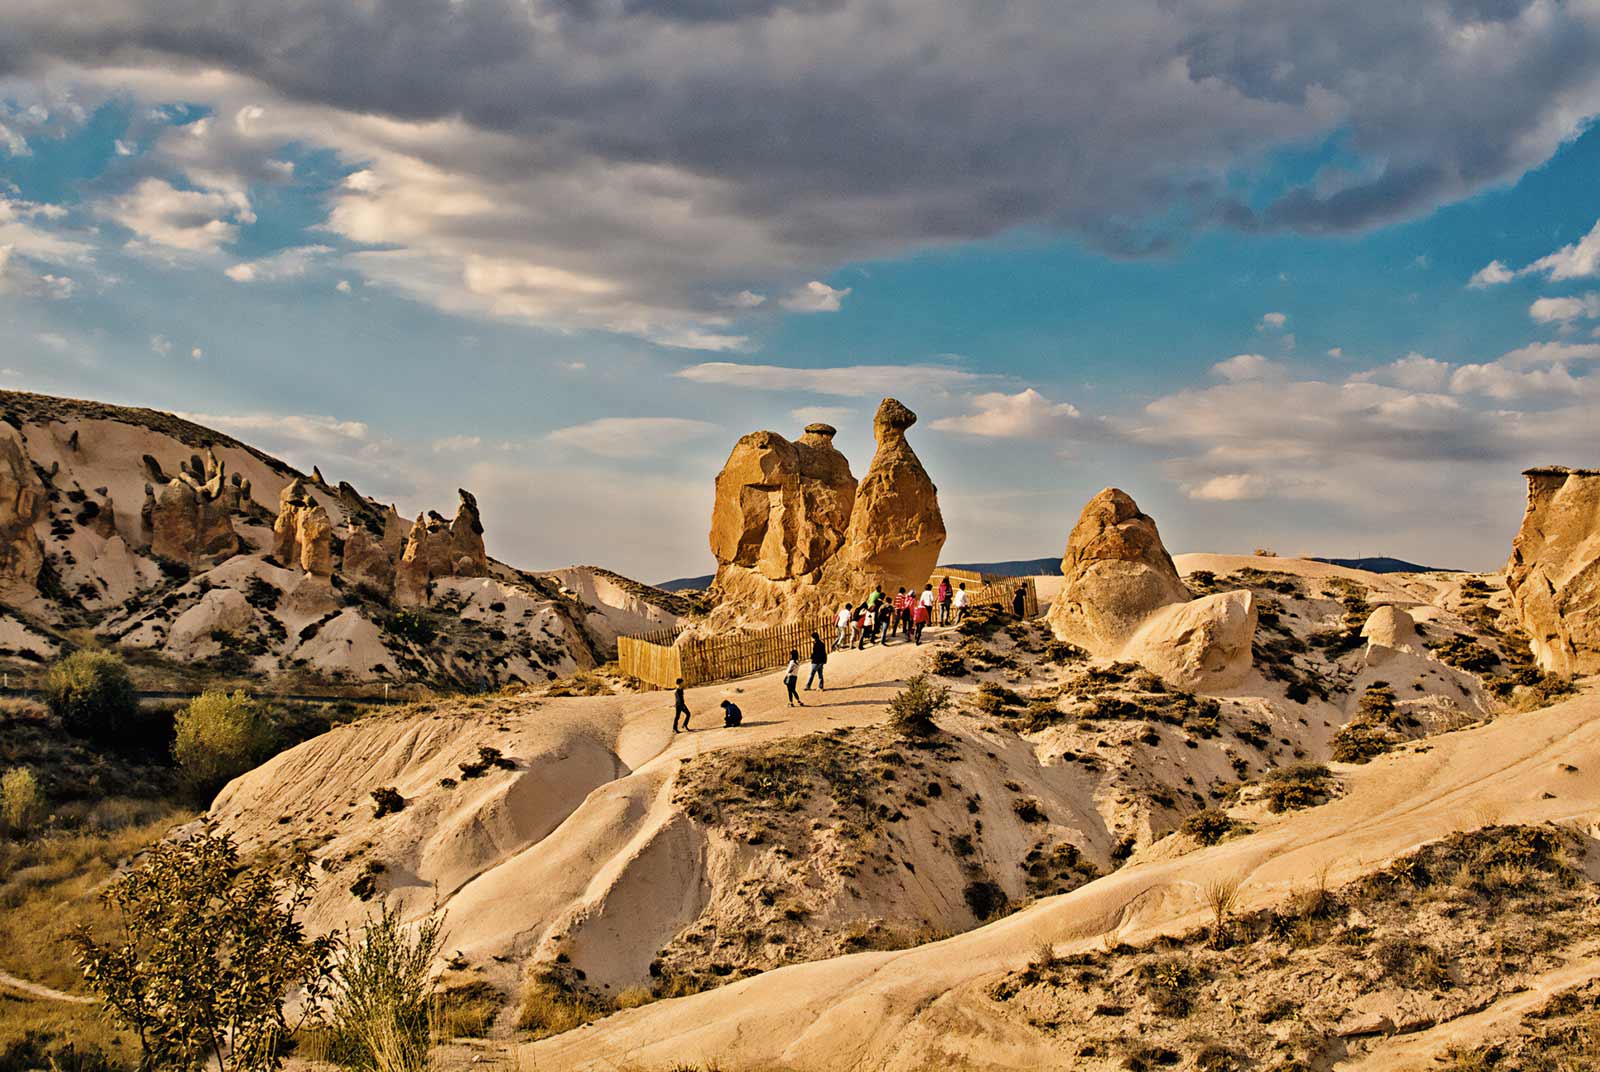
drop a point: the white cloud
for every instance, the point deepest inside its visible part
(849, 380)
(56, 342)
(1024, 415)
(13, 143)
(834, 415)
(1561, 310)
(630, 437)
(160, 345)
(270, 430)
(1579, 260)
(815, 297)
(285, 264)
(1231, 487)
(1336, 352)
(451, 444)
(745, 299)
(342, 286)
(1241, 367)
(1272, 321)
(1415, 372)
(122, 148)
(1490, 275)
(197, 353)
(160, 214)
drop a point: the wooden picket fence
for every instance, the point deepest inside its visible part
(661, 657)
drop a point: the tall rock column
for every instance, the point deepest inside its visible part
(22, 504)
(896, 529)
(1554, 572)
(438, 549)
(303, 533)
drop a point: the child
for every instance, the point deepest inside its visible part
(960, 602)
(731, 715)
(919, 618)
(791, 677)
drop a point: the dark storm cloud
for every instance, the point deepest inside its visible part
(813, 132)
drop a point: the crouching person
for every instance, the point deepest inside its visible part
(731, 715)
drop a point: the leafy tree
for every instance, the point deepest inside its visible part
(219, 737)
(22, 802)
(208, 951)
(91, 693)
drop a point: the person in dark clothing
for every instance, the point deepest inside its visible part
(791, 677)
(679, 708)
(819, 659)
(731, 715)
(1019, 601)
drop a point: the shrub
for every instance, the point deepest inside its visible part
(411, 625)
(985, 898)
(386, 800)
(219, 737)
(1211, 826)
(22, 802)
(382, 995)
(91, 693)
(913, 708)
(468, 1010)
(549, 1008)
(947, 664)
(1301, 786)
(208, 950)
(1358, 742)
(1169, 983)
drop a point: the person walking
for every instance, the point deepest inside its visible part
(1019, 601)
(865, 627)
(902, 612)
(945, 594)
(679, 708)
(919, 618)
(929, 599)
(847, 615)
(791, 678)
(960, 602)
(819, 659)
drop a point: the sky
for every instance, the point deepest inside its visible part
(1319, 277)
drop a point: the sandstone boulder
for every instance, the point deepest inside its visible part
(1202, 645)
(1115, 574)
(1554, 572)
(367, 561)
(438, 549)
(303, 533)
(1388, 630)
(782, 509)
(23, 501)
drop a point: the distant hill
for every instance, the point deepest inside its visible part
(687, 584)
(1382, 564)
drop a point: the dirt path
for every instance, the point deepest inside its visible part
(11, 984)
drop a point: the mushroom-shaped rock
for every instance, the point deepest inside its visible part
(1554, 572)
(896, 529)
(1203, 645)
(1115, 574)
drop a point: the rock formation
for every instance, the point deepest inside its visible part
(303, 533)
(1121, 596)
(1204, 644)
(367, 561)
(190, 521)
(1388, 630)
(793, 533)
(438, 548)
(782, 509)
(1115, 573)
(23, 501)
(1554, 572)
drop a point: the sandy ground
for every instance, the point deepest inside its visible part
(925, 1007)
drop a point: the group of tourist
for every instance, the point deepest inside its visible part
(874, 620)
(880, 616)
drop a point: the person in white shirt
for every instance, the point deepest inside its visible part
(928, 599)
(960, 602)
(846, 616)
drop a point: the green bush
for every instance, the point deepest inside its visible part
(206, 952)
(219, 737)
(91, 693)
(22, 802)
(913, 708)
(382, 993)
(1211, 826)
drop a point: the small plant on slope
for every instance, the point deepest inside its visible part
(382, 995)
(914, 707)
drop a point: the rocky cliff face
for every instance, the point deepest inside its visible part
(206, 573)
(1554, 572)
(1121, 596)
(794, 533)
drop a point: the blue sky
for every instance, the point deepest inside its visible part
(1308, 277)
